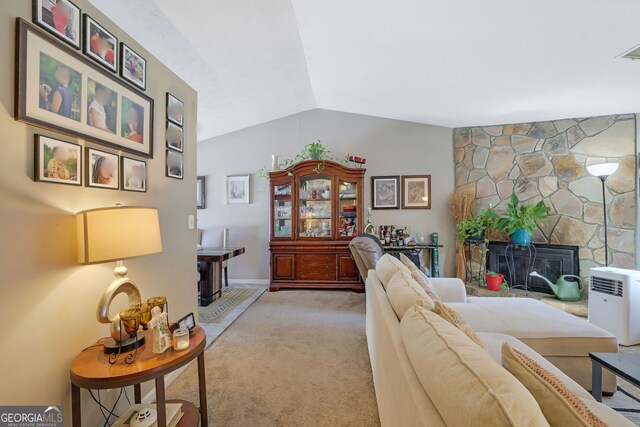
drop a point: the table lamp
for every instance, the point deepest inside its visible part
(115, 234)
(602, 171)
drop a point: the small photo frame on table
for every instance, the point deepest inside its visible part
(175, 110)
(57, 161)
(60, 18)
(99, 44)
(134, 174)
(416, 192)
(201, 187)
(238, 189)
(133, 67)
(385, 192)
(102, 169)
(175, 164)
(174, 136)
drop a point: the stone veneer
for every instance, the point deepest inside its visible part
(547, 161)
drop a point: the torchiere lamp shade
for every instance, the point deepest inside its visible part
(118, 233)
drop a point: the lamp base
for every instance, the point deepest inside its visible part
(112, 346)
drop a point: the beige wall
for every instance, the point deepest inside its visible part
(391, 147)
(48, 302)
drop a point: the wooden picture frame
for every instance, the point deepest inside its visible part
(94, 37)
(385, 192)
(132, 64)
(133, 175)
(97, 161)
(70, 164)
(416, 192)
(56, 90)
(201, 197)
(44, 15)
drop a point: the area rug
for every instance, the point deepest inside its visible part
(294, 358)
(220, 308)
(627, 399)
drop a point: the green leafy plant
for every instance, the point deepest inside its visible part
(475, 227)
(521, 216)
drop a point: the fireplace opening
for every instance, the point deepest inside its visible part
(551, 261)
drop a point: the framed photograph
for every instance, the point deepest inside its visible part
(60, 18)
(175, 164)
(57, 161)
(385, 192)
(416, 192)
(102, 169)
(99, 44)
(59, 89)
(175, 110)
(201, 186)
(174, 137)
(238, 189)
(133, 67)
(133, 174)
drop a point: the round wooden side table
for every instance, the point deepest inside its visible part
(91, 370)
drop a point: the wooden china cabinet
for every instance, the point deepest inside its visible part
(316, 209)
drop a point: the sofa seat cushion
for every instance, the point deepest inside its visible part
(559, 405)
(493, 344)
(387, 266)
(547, 330)
(465, 384)
(403, 293)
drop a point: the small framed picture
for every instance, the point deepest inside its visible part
(175, 164)
(102, 169)
(133, 67)
(100, 45)
(238, 189)
(174, 137)
(57, 161)
(385, 192)
(416, 192)
(175, 110)
(59, 17)
(201, 186)
(134, 174)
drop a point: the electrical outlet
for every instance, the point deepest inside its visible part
(192, 222)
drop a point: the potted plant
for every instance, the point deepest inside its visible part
(473, 229)
(494, 280)
(519, 221)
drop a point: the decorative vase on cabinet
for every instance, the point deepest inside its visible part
(316, 209)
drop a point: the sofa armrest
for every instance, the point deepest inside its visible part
(449, 289)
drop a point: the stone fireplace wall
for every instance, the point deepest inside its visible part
(547, 161)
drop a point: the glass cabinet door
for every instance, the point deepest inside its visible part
(315, 207)
(348, 209)
(282, 211)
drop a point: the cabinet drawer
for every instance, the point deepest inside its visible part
(315, 260)
(315, 267)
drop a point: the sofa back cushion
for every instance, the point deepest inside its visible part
(466, 385)
(387, 266)
(403, 293)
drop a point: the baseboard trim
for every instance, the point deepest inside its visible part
(252, 281)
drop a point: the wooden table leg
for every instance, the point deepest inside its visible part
(137, 393)
(596, 380)
(76, 413)
(203, 391)
(161, 405)
(217, 278)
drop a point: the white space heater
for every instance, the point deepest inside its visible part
(614, 302)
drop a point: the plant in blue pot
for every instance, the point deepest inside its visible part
(519, 221)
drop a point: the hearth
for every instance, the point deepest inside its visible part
(551, 261)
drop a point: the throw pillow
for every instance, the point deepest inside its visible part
(452, 316)
(423, 281)
(467, 387)
(387, 266)
(403, 293)
(559, 405)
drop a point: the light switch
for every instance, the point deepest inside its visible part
(192, 222)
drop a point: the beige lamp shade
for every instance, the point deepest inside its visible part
(118, 233)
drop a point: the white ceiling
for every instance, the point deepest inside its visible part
(455, 63)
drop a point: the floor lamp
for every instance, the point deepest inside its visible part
(602, 171)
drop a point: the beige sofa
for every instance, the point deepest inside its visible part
(402, 399)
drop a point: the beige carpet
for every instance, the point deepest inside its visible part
(294, 358)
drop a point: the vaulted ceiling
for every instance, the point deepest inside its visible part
(455, 63)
